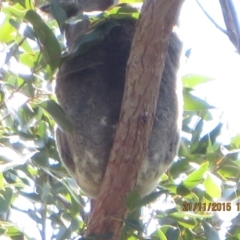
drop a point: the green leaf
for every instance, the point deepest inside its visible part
(235, 142)
(26, 46)
(2, 230)
(10, 158)
(41, 130)
(13, 231)
(15, 24)
(210, 232)
(10, 231)
(5, 199)
(234, 232)
(132, 200)
(208, 140)
(124, 11)
(31, 196)
(229, 170)
(42, 159)
(1, 181)
(164, 177)
(212, 186)
(182, 190)
(46, 195)
(49, 45)
(26, 3)
(29, 59)
(197, 131)
(58, 115)
(190, 215)
(181, 165)
(94, 37)
(7, 32)
(158, 235)
(191, 80)
(15, 10)
(196, 177)
(150, 198)
(184, 221)
(193, 103)
(72, 190)
(171, 232)
(58, 13)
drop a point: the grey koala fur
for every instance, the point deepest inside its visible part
(90, 87)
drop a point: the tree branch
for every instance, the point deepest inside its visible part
(231, 22)
(144, 71)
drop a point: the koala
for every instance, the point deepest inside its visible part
(89, 88)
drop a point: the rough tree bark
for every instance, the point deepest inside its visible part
(144, 71)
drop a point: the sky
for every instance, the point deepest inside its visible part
(214, 56)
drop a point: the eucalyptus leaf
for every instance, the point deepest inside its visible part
(94, 37)
(196, 177)
(192, 80)
(48, 43)
(210, 232)
(193, 103)
(58, 13)
(212, 186)
(5, 199)
(133, 199)
(58, 115)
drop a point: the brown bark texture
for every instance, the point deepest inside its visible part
(143, 76)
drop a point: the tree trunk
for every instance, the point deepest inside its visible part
(143, 77)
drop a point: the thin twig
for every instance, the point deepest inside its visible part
(211, 19)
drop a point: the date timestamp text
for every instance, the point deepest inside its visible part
(209, 207)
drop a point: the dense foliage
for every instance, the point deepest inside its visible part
(38, 198)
